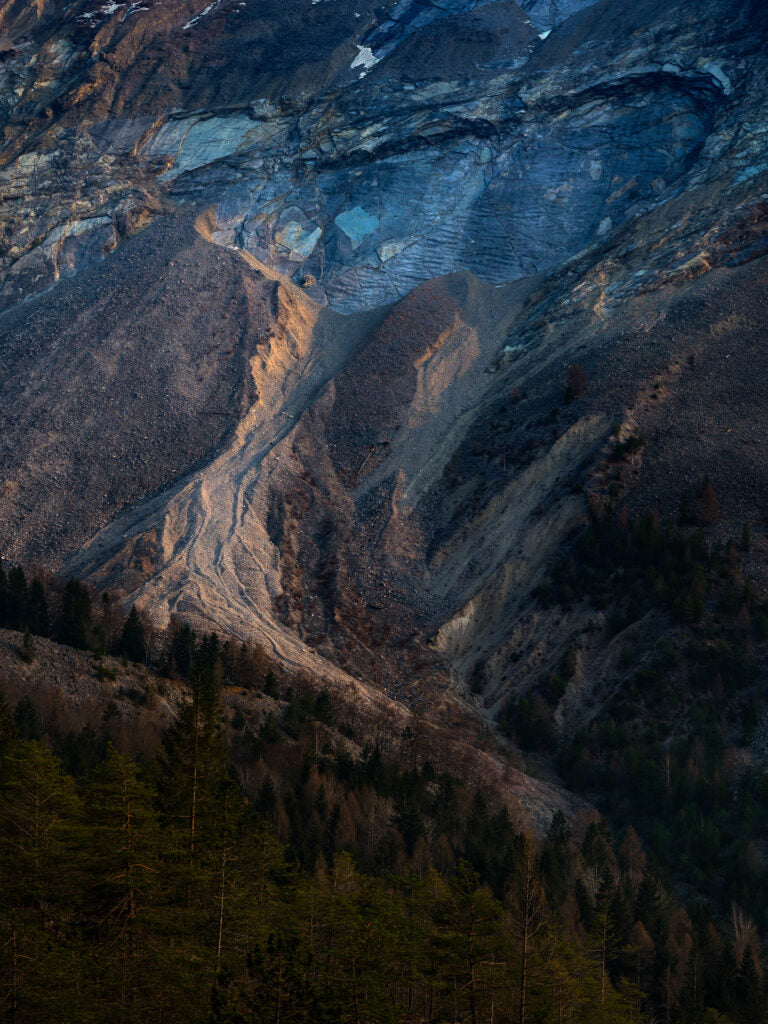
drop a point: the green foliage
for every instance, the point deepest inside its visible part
(171, 899)
(395, 892)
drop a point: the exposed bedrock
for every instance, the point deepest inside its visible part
(360, 153)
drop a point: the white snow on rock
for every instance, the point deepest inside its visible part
(719, 75)
(133, 9)
(202, 14)
(102, 12)
(365, 58)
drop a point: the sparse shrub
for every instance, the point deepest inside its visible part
(26, 720)
(28, 647)
(570, 663)
(633, 444)
(103, 673)
(270, 687)
(702, 507)
(476, 682)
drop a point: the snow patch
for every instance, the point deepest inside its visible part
(103, 12)
(202, 14)
(133, 9)
(720, 77)
(365, 58)
(543, 35)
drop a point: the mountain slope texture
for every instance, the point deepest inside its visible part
(418, 348)
(329, 324)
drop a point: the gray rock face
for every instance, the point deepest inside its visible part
(396, 182)
(447, 137)
(548, 14)
(486, 204)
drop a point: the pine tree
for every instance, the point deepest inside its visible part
(38, 618)
(133, 641)
(40, 867)
(18, 598)
(528, 918)
(125, 891)
(74, 622)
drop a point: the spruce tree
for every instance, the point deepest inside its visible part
(133, 640)
(201, 807)
(38, 619)
(74, 622)
(41, 862)
(126, 888)
(18, 598)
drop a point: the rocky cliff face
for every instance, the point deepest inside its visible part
(360, 152)
(290, 290)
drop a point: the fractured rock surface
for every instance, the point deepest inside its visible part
(358, 153)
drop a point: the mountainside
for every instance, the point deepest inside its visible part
(291, 291)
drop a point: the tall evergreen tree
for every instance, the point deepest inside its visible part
(133, 640)
(125, 894)
(40, 865)
(74, 622)
(18, 598)
(38, 617)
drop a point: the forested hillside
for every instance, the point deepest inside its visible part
(278, 872)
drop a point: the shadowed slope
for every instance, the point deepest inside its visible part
(120, 381)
